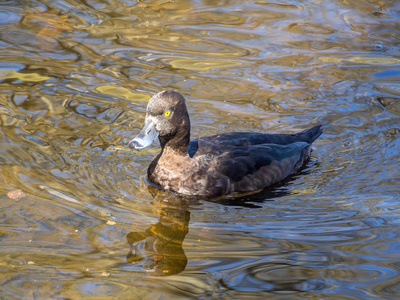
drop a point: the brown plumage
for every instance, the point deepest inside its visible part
(216, 165)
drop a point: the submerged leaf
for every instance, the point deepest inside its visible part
(16, 194)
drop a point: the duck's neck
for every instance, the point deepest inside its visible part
(179, 143)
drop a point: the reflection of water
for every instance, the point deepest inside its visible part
(159, 248)
(73, 79)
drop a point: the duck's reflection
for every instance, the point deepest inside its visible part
(159, 248)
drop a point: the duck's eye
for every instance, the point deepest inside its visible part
(167, 113)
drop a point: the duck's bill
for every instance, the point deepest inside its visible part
(145, 137)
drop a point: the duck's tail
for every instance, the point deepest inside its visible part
(311, 134)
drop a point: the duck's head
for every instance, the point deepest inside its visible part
(166, 118)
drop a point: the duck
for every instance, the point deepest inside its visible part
(218, 165)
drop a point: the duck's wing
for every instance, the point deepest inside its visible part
(226, 140)
(255, 167)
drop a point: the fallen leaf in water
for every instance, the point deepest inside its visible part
(16, 194)
(110, 222)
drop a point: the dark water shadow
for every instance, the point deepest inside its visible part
(255, 200)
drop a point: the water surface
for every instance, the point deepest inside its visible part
(78, 218)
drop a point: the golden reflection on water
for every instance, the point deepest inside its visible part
(159, 248)
(74, 81)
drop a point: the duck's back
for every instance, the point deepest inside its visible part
(233, 139)
(243, 162)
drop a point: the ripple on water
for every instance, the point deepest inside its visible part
(317, 227)
(311, 28)
(8, 15)
(383, 241)
(24, 37)
(274, 277)
(245, 66)
(187, 44)
(365, 280)
(389, 87)
(391, 97)
(55, 283)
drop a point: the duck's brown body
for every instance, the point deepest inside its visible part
(221, 164)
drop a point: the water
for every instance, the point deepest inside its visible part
(74, 81)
